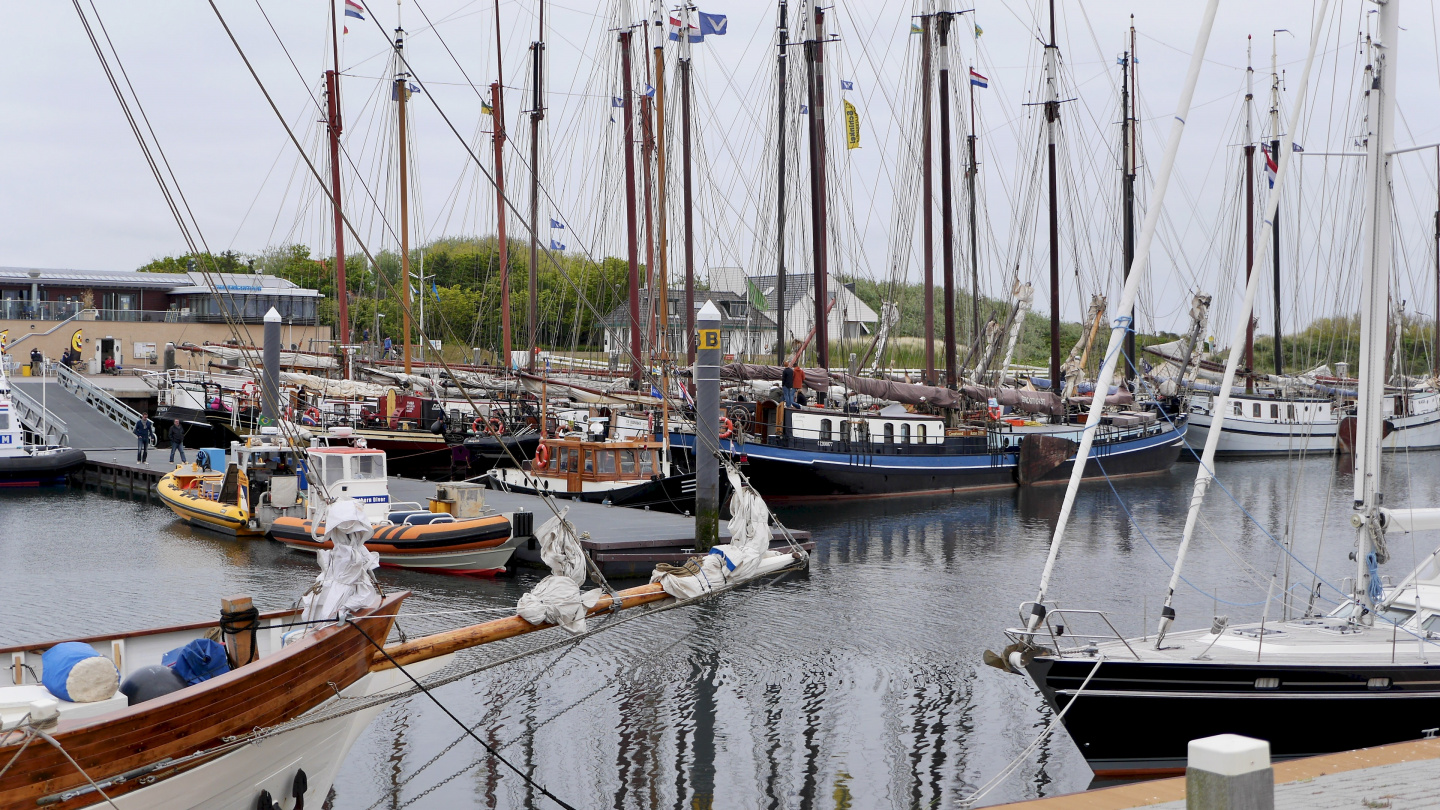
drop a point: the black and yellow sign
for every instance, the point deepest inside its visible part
(852, 126)
(77, 341)
(709, 339)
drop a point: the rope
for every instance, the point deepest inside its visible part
(47, 738)
(234, 623)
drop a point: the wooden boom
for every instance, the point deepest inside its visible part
(432, 646)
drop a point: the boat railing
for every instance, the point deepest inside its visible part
(98, 398)
(1056, 630)
(38, 418)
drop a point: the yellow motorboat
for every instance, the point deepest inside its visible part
(219, 501)
(259, 481)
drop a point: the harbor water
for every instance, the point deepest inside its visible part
(857, 684)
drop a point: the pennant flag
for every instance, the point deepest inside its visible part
(354, 9)
(852, 127)
(1295, 147)
(1270, 166)
(685, 395)
(844, 85)
(649, 91)
(804, 110)
(554, 223)
(916, 29)
(347, 28)
(979, 31)
(435, 291)
(712, 25)
(410, 89)
(977, 80)
(414, 88)
(555, 245)
(757, 297)
(616, 101)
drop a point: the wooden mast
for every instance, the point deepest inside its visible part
(815, 58)
(402, 94)
(342, 290)
(661, 214)
(947, 206)
(647, 149)
(973, 170)
(537, 112)
(689, 199)
(782, 64)
(928, 214)
(1052, 123)
(1275, 231)
(497, 125)
(1249, 213)
(1127, 182)
(632, 249)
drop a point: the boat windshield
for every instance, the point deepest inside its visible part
(368, 467)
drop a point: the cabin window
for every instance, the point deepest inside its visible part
(647, 463)
(1290, 412)
(904, 434)
(889, 433)
(554, 464)
(369, 467)
(4, 421)
(1255, 412)
(607, 461)
(334, 468)
(1274, 411)
(826, 426)
(1239, 409)
(572, 460)
(1432, 625)
(627, 462)
(589, 461)
(920, 434)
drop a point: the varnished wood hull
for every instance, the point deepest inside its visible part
(277, 688)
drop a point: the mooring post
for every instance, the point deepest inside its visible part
(707, 427)
(270, 382)
(1229, 772)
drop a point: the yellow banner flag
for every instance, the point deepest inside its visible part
(852, 127)
(77, 340)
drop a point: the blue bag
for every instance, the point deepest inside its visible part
(200, 660)
(73, 671)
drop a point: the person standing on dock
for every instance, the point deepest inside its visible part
(37, 362)
(459, 462)
(177, 441)
(787, 385)
(145, 432)
(796, 385)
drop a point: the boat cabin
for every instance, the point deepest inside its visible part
(351, 472)
(577, 465)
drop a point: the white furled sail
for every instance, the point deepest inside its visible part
(557, 599)
(746, 556)
(344, 585)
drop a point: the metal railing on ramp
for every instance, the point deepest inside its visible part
(98, 398)
(39, 419)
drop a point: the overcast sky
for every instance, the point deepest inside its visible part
(78, 194)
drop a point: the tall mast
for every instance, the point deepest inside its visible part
(971, 172)
(537, 112)
(1052, 125)
(928, 201)
(342, 290)
(1435, 356)
(1377, 228)
(497, 119)
(815, 61)
(652, 301)
(401, 98)
(947, 206)
(661, 211)
(1275, 232)
(1249, 210)
(1127, 172)
(689, 200)
(631, 246)
(782, 63)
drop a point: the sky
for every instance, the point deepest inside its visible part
(78, 194)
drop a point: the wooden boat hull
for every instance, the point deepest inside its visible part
(409, 452)
(46, 469)
(277, 688)
(476, 547)
(204, 513)
(674, 494)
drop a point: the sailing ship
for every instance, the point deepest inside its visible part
(1366, 666)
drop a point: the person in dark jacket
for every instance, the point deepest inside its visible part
(787, 385)
(459, 462)
(177, 441)
(144, 432)
(37, 362)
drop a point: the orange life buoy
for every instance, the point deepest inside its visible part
(478, 426)
(995, 412)
(729, 427)
(313, 414)
(542, 454)
(496, 425)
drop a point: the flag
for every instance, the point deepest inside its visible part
(711, 25)
(555, 245)
(354, 9)
(616, 101)
(347, 28)
(556, 224)
(804, 110)
(486, 109)
(435, 291)
(757, 297)
(685, 395)
(916, 29)
(1270, 165)
(649, 91)
(693, 30)
(655, 392)
(1295, 147)
(409, 89)
(844, 85)
(852, 127)
(978, 80)
(979, 31)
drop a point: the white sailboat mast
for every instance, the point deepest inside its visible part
(1377, 227)
(1122, 323)
(1221, 407)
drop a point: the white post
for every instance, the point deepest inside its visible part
(1122, 323)
(1229, 772)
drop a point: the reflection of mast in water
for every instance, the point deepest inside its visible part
(636, 761)
(398, 748)
(774, 711)
(814, 690)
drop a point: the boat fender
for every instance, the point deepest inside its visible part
(299, 787)
(73, 671)
(200, 660)
(542, 454)
(438, 427)
(156, 680)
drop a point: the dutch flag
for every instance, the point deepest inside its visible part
(978, 80)
(354, 9)
(1270, 165)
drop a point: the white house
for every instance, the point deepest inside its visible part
(744, 330)
(849, 318)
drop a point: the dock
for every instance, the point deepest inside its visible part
(1401, 775)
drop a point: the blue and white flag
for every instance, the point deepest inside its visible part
(712, 25)
(655, 392)
(844, 85)
(616, 101)
(555, 245)
(804, 109)
(556, 224)
(649, 91)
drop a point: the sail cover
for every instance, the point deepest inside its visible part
(557, 599)
(747, 555)
(1037, 402)
(344, 585)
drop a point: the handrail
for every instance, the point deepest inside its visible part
(98, 398)
(30, 412)
(77, 316)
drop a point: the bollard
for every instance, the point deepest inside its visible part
(1229, 772)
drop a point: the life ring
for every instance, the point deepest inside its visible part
(496, 425)
(995, 412)
(313, 414)
(248, 390)
(478, 426)
(729, 427)
(542, 455)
